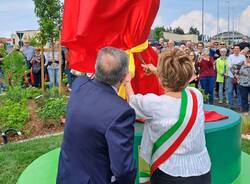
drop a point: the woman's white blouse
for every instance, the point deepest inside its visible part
(160, 113)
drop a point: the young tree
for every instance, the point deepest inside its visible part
(49, 13)
(159, 31)
(194, 30)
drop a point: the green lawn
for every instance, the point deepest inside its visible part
(14, 158)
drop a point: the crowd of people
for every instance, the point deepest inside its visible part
(33, 58)
(217, 67)
(221, 71)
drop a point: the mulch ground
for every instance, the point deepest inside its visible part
(35, 126)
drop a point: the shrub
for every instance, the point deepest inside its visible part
(13, 115)
(245, 125)
(32, 92)
(14, 67)
(53, 109)
(16, 94)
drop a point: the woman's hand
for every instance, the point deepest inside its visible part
(149, 68)
(128, 87)
(127, 78)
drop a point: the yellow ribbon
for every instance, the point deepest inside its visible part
(131, 66)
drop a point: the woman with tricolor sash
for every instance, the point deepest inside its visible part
(173, 144)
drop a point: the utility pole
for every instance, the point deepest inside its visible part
(233, 30)
(202, 10)
(218, 19)
(228, 19)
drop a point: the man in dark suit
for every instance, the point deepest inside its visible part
(99, 130)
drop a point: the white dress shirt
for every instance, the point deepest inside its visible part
(161, 113)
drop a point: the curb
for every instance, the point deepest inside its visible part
(35, 138)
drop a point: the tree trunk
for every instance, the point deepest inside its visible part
(42, 70)
(60, 64)
(53, 61)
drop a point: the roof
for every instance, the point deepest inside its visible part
(230, 34)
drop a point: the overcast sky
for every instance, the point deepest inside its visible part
(19, 15)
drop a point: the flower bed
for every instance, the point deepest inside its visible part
(31, 112)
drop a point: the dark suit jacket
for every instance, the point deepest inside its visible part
(98, 136)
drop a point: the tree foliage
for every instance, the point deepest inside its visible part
(49, 13)
(158, 32)
(194, 30)
(37, 40)
(178, 30)
(169, 29)
(14, 68)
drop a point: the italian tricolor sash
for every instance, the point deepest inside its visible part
(169, 142)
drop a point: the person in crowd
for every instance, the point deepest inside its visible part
(189, 162)
(160, 44)
(222, 72)
(196, 72)
(241, 71)
(53, 66)
(244, 51)
(36, 67)
(231, 50)
(157, 50)
(244, 43)
(200, 48)
(234, 59)
(165, 45)
(67, 69)
(187, 51)
(207, 74)
(194, 47)
(182, 47)
(171, 45)
(3, 53)
(189, 45)
(213, 45)
(223, 45)
(28, 51)
(99, 134)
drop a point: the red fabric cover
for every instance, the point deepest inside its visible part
(91, 25)
(32, 79)
(211, 116)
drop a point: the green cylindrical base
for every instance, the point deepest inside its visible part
(223, 143)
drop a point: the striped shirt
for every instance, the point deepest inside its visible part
(161, 113)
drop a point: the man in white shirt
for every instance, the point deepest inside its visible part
(234, 59)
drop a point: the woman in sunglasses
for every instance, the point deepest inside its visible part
(242, 72)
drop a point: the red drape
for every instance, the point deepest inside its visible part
(89, 25)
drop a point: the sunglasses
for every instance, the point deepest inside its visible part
(222, 44)
(248, 56)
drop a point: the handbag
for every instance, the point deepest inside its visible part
(36, 68)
